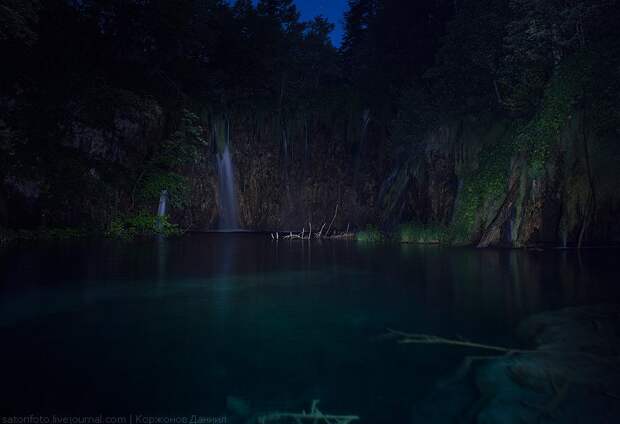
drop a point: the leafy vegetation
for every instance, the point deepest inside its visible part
(565, 88)
(8, 236)
(185, 147)
(141, 225)
(125, 99)
(176, 185)
(531, 64)
(423, 234)
(370, 235)
(486, 183)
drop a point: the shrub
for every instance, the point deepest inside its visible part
(61, 233)
(428, 234)
(370, 235)
(7, 236)
(143, 224)
(176, 185)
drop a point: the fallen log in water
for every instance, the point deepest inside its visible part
(303, 235)
(309, 235)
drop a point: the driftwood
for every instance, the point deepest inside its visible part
(315, 416)
(328, 234)
(303, 235)
(333, 219)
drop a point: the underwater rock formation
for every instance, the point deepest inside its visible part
(570, 375)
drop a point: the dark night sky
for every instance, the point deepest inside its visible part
(332, 9)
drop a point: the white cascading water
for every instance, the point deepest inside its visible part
(226, 187)
(161, 209)
(163, 199)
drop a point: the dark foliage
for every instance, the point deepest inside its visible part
(82, 77)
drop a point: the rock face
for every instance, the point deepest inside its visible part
(571, 375)
(477, 177)
(73, 175)
(472, 175)
(289, 187)
(113, 126)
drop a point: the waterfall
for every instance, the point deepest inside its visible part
(163, 199)
(161, 209)
(226, 189)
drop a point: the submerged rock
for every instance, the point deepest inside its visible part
(238, 406)
(570, 375)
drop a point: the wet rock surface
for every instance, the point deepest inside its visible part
(568, 372)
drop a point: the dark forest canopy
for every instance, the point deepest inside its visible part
(404, 66)
(226, 55)
(176, 50)
(209, 51)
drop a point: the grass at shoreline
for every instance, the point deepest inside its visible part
(406, 233)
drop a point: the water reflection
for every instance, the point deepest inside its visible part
(511, 283)
(506, 283)
(276, 322)
(162, 259)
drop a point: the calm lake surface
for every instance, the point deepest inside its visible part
(176, 327)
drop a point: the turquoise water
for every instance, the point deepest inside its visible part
(193, 325)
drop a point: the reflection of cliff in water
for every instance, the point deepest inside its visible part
(509, 283)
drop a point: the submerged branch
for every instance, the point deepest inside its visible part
(315, 415)
(430, 339)
(407, 338)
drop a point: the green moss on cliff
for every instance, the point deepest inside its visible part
(155, 182)
(539, 136)
(485, 185)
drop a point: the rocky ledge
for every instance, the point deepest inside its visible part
(567, 372)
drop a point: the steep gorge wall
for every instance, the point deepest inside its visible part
(288, 176)
(476, 177)
(74, 171)
(104, 162)
(490, 180)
